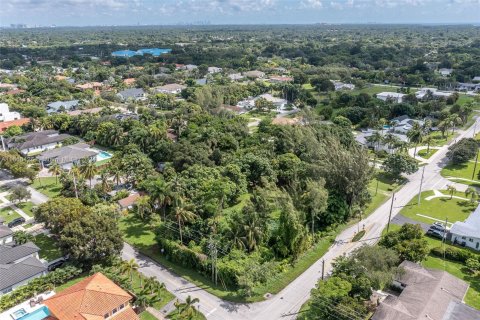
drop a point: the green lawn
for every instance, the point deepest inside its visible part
(386, 186)
(47, 186)
(426, 155)
(8, 214)
(145, 315)
(174, 316)
(464, 171)
(26, 207)
(142, 237)
(438, 208)
(48, 247)
(438, 140)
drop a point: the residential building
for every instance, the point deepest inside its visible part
(235, 109)
(445, 72)
(95, 297)
(363, 139)
(132, 94)
(62, 106)
(433, 93)
(128, 202)
(201, 82)
(279, 103)
(18, 265)
(255, 74)
(467, 233)
(6, 114)
(214, 70)
(83, 111)
(89, 86)
(36, 142)
(343, 86)
(236, 76)
(280, 79)
(403, 124)
(426, 294)
(475, 87)
(129, 81)
(476, 79)
(190, 67)
(391, 96)
(6, 234)
(172, 88)
(67, 156)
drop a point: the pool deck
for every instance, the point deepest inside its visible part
(7, 315)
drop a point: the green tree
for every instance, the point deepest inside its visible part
(396, 164)
(55, 169)
(409, 242)
(129, 267)
(451, 189)
(22, 237)
(20, 193)
(314, 200)
(88, 169)
(58, 212)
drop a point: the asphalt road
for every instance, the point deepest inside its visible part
(286, 303)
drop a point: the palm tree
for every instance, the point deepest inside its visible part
(451, 189)
(187, 309)
(152, 285)
(55, 169)
(415, 135)
(428, 140)
(454, 121)
(390, 140)
(129, 267)
(115, 173)
(183, 214)
(88, 170)
(143, 206)
(106, 184)
(253, 234)
(236, 237)
(472, 193)
(376, 138)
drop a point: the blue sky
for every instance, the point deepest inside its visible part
(133, 12)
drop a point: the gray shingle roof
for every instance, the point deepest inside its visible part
(67, 154)
(131, 93)
(469, 228)
(68, 105)
(5, 231)
(11, 274)
(36, 139)
(427, 295)
(9, 254)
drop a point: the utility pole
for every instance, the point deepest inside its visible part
(475, 165)
(390, 214)
(323, 268)
(213, 256)
(420, 190)
(444, 240)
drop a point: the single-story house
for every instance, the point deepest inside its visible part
(190, 67)
(128, 202)
(129, 81)
(60, 106)
(280, 79)
(254, 74)
(6, 114)
(403, 124)
(468, 87)
(435, 94)
(95, 297)
(391, 96)
(67, 156)
(467, 233)
(84, 111)
(235, 76)
(214, 70)
(89, 86)
(476, 79)
(6, 234)
(363, 138)
(19, 265)
(445, 72)
(132, 94)
(279, 103)
(426, 294)
(36, 142)
(342, 86)
(172, 88)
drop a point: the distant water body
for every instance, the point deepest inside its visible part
(130, 53)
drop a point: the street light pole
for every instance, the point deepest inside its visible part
(475, 165)
(420, 190)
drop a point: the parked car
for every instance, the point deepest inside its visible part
(16, 222)
(436, 233)
(438, 228)
(56, 264)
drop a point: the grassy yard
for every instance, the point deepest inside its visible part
(47, 186)
(386, 186)
(463, 171)
(174, 316)
(26, 207)
(438, 208)
(145, 315)
(142, 237)
(426, 155)
(438, 140)
(8, 214)
(48, 247)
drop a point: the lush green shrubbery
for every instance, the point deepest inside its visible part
(462, 151)
(455, 254)
(38, 285)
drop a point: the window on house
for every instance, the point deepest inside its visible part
(471, 240)
(106, 316)
(114, 311)
(464, 238)
(121, 306)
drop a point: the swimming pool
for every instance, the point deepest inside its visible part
(18, 314)
(38, 314)
(103, 155)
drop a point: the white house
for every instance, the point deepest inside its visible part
(279, 103)
(6, 234)
(6, 114)
(423, 92)
(254, 74)
(172, 88)
(395, 96)
(467, 233)
(214, 70)
(342, 86)
(236, 76)
(404, 124)
(35, 142)
(445, 72)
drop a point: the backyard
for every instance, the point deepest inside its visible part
(48, 247)
(438, 209)
(49, 186)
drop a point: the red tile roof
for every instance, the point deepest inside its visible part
(129, 201)
(90, 299)
(7, 124)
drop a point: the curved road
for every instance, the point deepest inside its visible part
(286, 303)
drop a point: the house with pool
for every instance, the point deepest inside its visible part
(71, 155)
(95, 297)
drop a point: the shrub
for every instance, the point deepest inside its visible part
(451, 253)
(462, 151)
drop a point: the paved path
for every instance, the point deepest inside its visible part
(287, 302)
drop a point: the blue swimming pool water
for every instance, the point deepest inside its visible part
(103, 155)
(38, 314)
(130, 53)
(19, 313)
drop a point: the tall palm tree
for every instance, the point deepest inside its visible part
(428, 140)
(390, 140)
(55, 169)
(451, 189)
(88, 170)
(129, 267)
(115, 173)
(143, 206)
(235, 236)
(376, 139)
(187, 309)
(183, 214)
(106, 184)
(472, 193)
(455, 120)
(152, 285)
(253, 234)
(415, 135)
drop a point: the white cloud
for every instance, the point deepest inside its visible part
(315, 4)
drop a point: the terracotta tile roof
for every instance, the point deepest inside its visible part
(129, 81)
(90, 299)
(7, 124)
(126, 314)
(128, 201)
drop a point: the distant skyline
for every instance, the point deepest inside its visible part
(171, 12)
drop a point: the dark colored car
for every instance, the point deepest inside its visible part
(435, 233)
(16, 222)
(55, 265)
